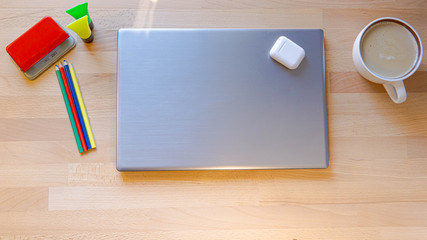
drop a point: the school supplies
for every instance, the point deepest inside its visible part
(75, 106)
(67, 105)
(40, 47)
(81, 11)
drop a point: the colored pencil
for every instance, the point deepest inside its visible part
(82, 105)
(76, 102)
(73, 108)
(70, 113)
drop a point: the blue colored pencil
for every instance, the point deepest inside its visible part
(76, 102)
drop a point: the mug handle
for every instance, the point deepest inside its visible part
(396, 91)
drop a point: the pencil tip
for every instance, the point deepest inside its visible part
(56, 67)
(60, 65)
(65, 62)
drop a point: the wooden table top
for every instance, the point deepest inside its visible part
(375, 187)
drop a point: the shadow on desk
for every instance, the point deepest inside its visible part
(227, 175)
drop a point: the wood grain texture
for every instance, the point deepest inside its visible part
(375, 187)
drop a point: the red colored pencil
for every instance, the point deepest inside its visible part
(73, 107)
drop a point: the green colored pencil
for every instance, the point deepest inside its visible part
(70, 113)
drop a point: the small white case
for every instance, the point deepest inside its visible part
(287, 52)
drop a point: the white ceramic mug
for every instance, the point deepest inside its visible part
(394, 86)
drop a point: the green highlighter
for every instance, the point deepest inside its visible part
(79, 11)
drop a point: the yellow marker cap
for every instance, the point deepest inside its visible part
(81, 27)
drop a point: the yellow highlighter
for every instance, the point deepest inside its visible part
(81, 27)
(82, 106)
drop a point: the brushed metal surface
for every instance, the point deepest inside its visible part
(214, 99)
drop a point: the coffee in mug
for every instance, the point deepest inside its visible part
(387, 51)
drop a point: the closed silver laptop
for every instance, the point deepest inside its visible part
(214, 99)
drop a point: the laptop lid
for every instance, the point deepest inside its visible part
(214, 99)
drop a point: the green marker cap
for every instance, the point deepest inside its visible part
(79, 11)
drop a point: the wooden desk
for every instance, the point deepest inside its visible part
(375, 187)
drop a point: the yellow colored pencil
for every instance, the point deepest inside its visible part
(82, 106)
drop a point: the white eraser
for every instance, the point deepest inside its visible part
(287, 52)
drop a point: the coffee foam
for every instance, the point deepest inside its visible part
(389, 49)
